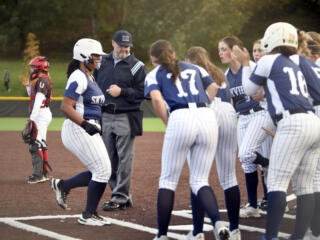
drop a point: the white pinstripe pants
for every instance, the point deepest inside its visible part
(227, 143)
(194, 132)
(295, 153)
(89, 149)
(251, 136)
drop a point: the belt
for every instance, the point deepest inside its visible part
(189, 105)
(111, 109)
(44, 106)
(316, 103)
(252, 110)
(278, 117)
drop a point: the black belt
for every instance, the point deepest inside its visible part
(316, 103)
(252, 110)
(180, 106)
(111, 109)
(278, 117)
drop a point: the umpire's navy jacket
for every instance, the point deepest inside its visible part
(129, 74)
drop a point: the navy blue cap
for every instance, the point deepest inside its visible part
(123, 38)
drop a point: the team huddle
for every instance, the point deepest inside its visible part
(264, 112)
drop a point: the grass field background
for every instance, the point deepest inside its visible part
(17, 124)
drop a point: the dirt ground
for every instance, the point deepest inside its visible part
(19, 199)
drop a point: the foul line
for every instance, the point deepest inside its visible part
(14, 222)
(188, 214)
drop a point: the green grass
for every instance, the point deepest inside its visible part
(58, 69)
(17, 124)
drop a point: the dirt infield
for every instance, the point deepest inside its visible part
(30, 211)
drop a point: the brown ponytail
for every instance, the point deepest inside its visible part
(162, 50)
(303, 44)
(200, 57)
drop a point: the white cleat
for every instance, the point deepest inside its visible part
(221, 232)
(199, 236)
(92, 220)
(235, 234)
(163, 237)
(61, 195)
(248, 211)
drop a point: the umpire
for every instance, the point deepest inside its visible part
(121, 78)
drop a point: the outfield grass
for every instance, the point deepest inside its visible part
(58, 69)
(17, 124)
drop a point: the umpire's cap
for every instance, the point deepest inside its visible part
(123, 38)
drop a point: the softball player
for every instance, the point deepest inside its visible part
(227, 141)
(180, 88)
(40, 92)
(252, 117)
(296, 144)
(81, 131)
(311, 72)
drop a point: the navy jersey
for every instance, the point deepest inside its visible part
(88, 95)
(284, 84)
(224, 93)
(241, 102)
(189, 87)
(311, 72)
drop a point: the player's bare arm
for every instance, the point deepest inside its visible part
(67, 107)
(159, 105)
(212, 90)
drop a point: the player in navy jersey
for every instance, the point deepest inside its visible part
(81, 131)
(180, 89)
(252, 117)
(296, 145)
(311, 72)
(227, 140)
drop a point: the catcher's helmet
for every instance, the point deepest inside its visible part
(84, 48)
(38, 65)
(279, 34)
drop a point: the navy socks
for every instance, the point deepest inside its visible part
(94, 194)
(252, 185)
(197, 214)
(80, 180)
(315, 222)
(164, 209)
(304, 213)
(232, 199)
(209, 203)
(276, 207)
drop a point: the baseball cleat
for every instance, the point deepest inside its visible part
(220, 231)
(248, 211)
(199, 236)
(92, 219)
(163, 237)
(235, 234)
(36, 179)
(61, 195)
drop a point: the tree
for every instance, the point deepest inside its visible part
(31, 51)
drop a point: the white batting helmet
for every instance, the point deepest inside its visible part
(85, 47)
(279, 34)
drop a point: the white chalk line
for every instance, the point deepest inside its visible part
(14, 222)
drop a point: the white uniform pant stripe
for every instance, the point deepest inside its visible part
(316, 180)
(89, 149)
(227, 144)
(251, 136)
(295, 153)
(196, 130)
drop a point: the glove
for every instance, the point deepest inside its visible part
(264, 162)
(90, 128)
(30, 132)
